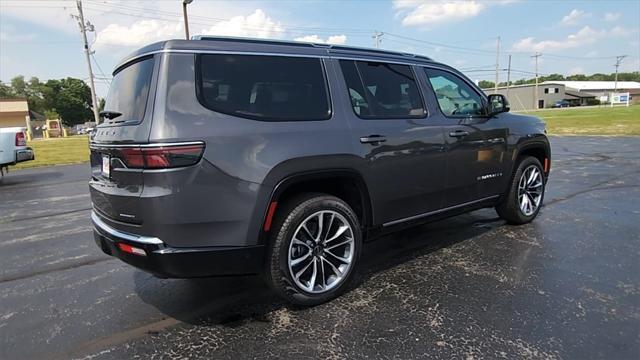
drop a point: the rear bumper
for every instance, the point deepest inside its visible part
(165, 261)
(24, 155)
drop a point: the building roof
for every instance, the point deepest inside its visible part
(579, 94)
(596, 85)
(515, 86)
(14, 105)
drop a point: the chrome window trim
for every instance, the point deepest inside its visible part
(102, 227)
(414, 217)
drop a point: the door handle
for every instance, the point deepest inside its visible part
(373, 139)
(458, 133)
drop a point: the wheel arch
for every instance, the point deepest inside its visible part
(338, 182)
(538, 149)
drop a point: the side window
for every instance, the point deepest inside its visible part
(381, 90)
(455, 96)
(269, 88)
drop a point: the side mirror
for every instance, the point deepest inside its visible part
(497, 104)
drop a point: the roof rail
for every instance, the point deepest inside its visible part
(307, 44)
(252, 40)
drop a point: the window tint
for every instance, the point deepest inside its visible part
(264, 87)
(455, 96)
(129, 90)
(381, 90)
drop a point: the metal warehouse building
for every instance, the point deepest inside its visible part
(578, 93)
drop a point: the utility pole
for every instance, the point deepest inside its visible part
(377, 35)
(617, 65)
(87, 52)
(495, 90)
(186, 19)
(536, 56)
(509, 76)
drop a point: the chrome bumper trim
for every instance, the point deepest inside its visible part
(100, 226)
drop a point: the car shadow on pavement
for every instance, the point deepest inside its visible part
(237, 300)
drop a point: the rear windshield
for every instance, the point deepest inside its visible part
(271, 88)
(129, 91)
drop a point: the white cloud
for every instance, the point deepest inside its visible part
(334, 39)
(619, 31)
(137, 34)
(586, 35)
(573, 18)
(425, 13)
(611, 16)
(418, 13)
(576, 70)
(52, 14)
(257, 24)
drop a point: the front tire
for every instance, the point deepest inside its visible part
(314, 249)
(522, 203)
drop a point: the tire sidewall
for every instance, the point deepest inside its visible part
(290, 223)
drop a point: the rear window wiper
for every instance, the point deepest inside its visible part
(110, 114)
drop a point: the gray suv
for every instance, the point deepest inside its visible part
(226, 156)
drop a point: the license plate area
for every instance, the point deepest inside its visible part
(106, 166)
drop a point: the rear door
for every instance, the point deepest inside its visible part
(476, 143)
(392, 132)
(115, 188)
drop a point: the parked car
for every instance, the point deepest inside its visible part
(13, 148)
(237, 156)
(561, 104)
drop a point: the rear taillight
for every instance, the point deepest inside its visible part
(20, 140)
(161, 157)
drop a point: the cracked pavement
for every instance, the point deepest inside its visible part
(565, 286)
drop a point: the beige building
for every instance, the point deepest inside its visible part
(13, 113)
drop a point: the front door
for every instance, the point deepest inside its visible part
(402, 147)
(476, 143)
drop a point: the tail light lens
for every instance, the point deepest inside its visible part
(20, 139)
(161, 157)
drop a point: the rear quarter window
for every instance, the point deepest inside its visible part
(268, 88)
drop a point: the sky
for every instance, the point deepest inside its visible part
(40, 38)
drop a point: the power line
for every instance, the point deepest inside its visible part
(214, 19)
(100, 69)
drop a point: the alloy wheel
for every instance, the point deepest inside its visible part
(530, 188)
(321, 252)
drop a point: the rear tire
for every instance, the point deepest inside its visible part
(523, 200)
(320, 263)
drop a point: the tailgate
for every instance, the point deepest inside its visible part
(116, 189)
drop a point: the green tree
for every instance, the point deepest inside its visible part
(6, 91)
(101, 103)
(19, 86)
(484, 84)
(51, 114)
(71, 98)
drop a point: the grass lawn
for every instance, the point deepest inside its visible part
(57, 151)
(620, 120)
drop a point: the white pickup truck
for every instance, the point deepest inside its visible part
(13, 148)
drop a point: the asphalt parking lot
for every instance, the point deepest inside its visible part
(565, 286)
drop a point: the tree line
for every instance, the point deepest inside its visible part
(628, 76)
(68, 99)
